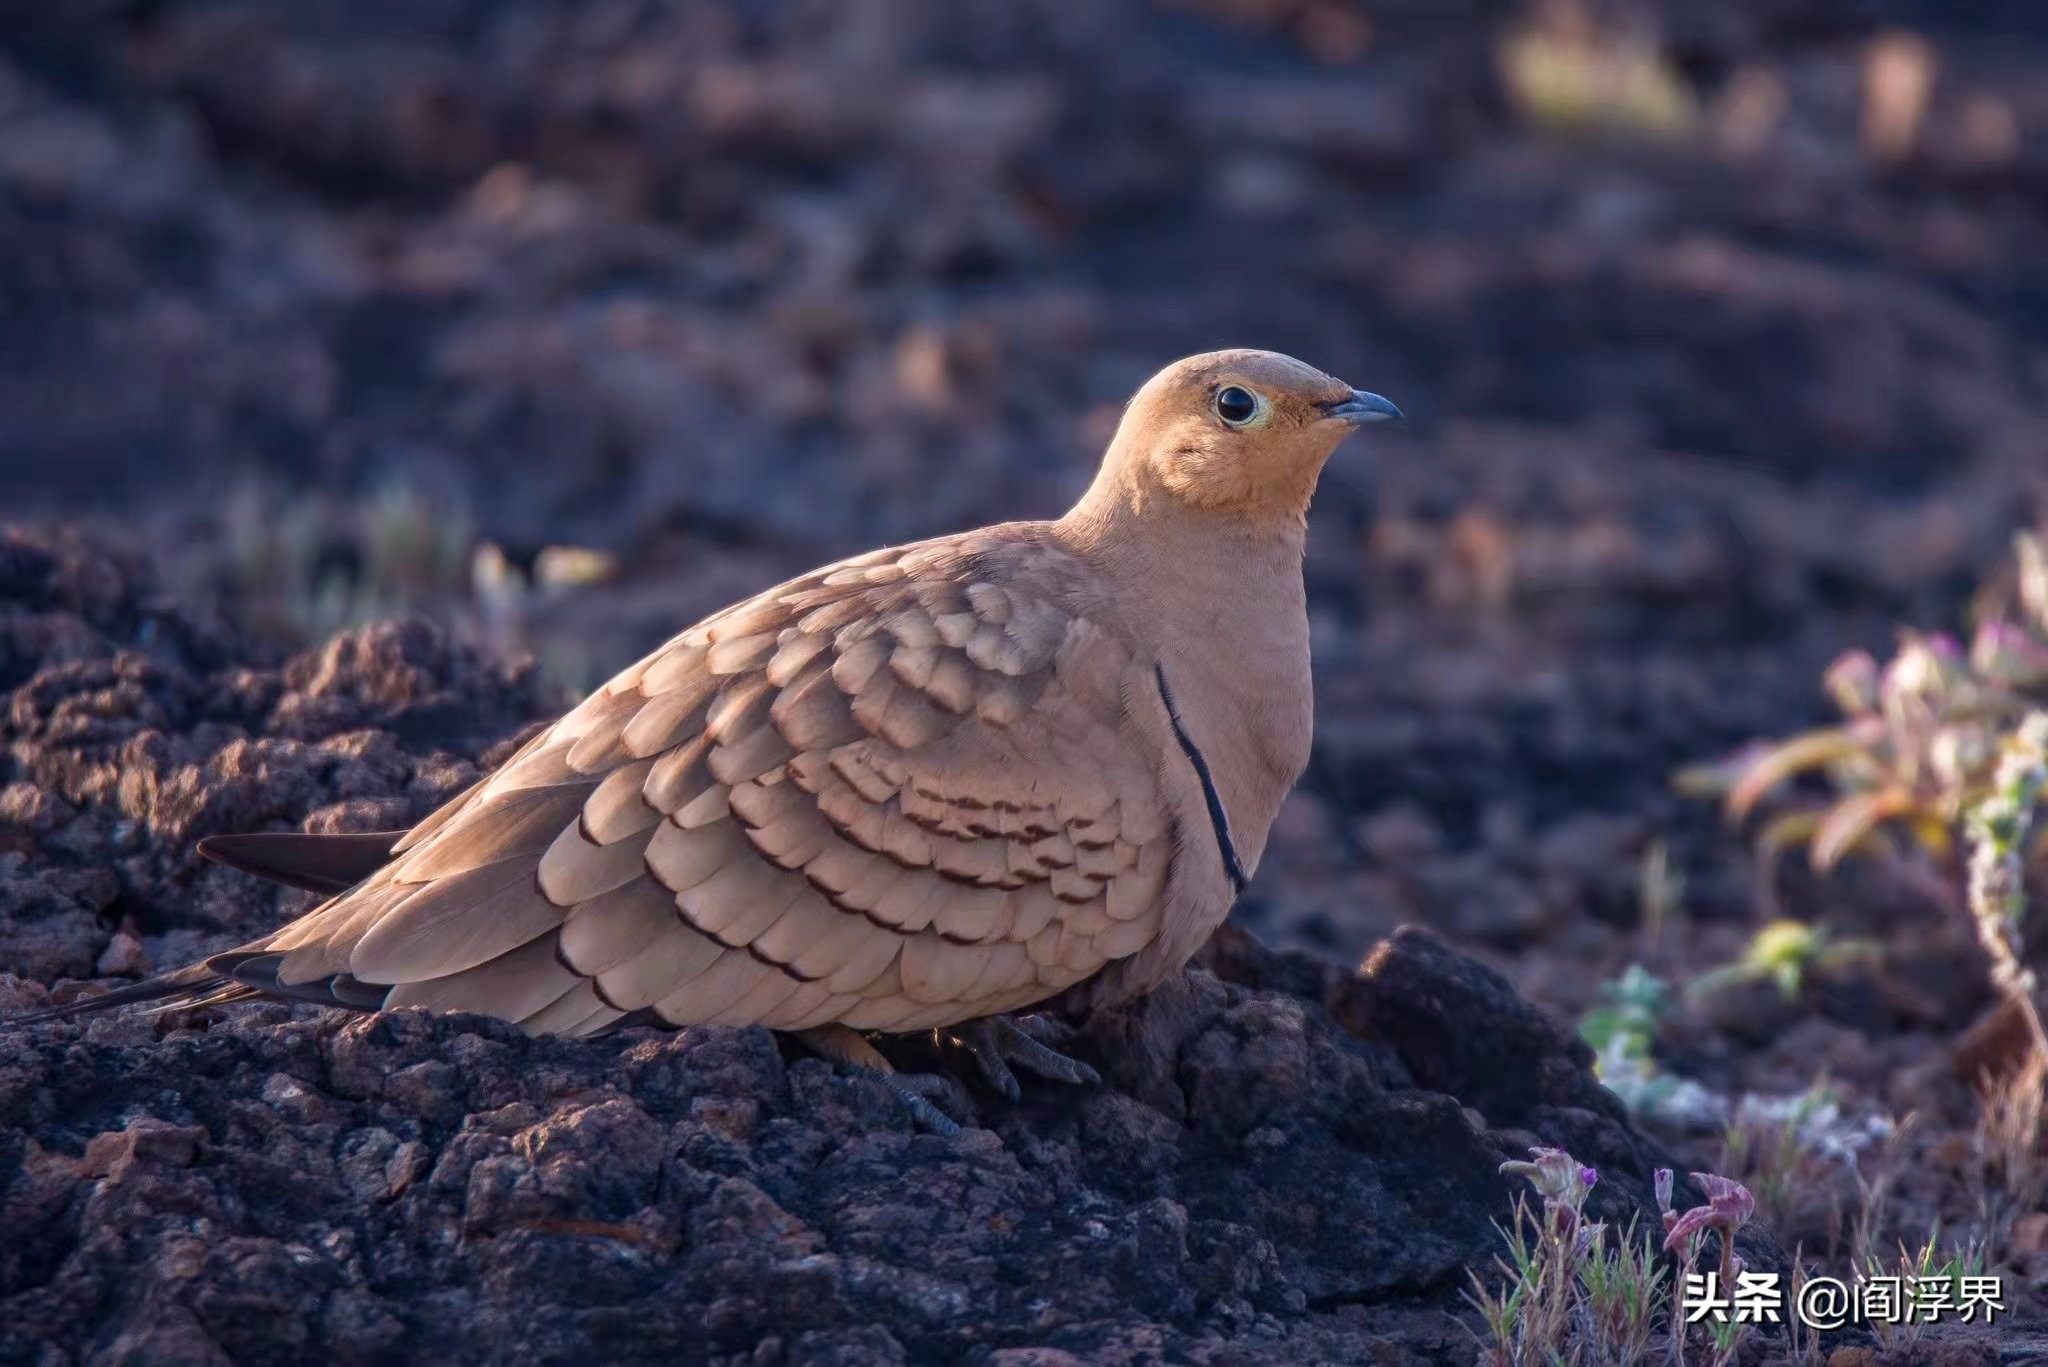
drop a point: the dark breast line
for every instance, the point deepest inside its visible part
(1219, 820)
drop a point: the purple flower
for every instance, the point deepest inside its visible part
(1661, 1180)
(1729, 1206)
(2009, 654)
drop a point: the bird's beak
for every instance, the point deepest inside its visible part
(1361, 407)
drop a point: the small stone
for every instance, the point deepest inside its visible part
(124, 957)
(146, 1141)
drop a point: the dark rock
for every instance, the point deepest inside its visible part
(115, 759)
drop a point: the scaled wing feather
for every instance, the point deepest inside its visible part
(901, 791)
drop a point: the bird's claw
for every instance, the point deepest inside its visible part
(920, 1094)
(996, 1042)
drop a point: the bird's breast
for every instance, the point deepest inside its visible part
(1243, 691)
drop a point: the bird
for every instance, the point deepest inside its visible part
(934, 787)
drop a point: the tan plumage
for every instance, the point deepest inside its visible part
(924, 785)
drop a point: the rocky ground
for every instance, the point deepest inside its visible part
(1721, 334)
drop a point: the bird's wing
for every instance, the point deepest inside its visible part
(899, 792)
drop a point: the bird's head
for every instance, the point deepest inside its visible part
(1242, 432)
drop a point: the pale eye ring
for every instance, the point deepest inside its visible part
(1238, 406)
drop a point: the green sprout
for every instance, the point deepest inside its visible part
(1622, 1031)
(1786, 953)
(1633, 1006)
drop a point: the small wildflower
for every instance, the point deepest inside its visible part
(1923, 675)
(1563, 1182)
(1729, 1206)
(1918, 749)
(1730, 1199)
(1556, 1175)
(1959, 752)
(1852, 682)
(2009, 654)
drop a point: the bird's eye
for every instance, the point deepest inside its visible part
(1237, 405)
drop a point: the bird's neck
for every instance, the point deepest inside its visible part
(1184, 561)
(1126, 518)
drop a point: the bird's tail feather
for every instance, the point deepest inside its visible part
(199, 985)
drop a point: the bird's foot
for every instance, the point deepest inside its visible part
(996, 1042)
(920, 1093)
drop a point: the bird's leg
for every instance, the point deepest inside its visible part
(996, 1042)
(847, 1048)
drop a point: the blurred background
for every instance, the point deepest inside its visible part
(1720, 328)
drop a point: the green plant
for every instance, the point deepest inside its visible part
(1876, 1179)
(1802, 1339)
(1524, 1324)
(1999, 828)
(1938, 768)
(1729, 1207)
(1922, 1281)
(1725, 1338)
(1568, 1290)
(1541, 1315)
(1631, 1009)
(2007, 1173)
(1568, 73)
(1660, 891)
(1802, 1156)
(1919, 745)
(306, 565)
(1622, 1031)
(1622, 1289)
(311, 565)
(1786, 953)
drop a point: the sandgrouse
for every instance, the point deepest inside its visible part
(920, 788)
